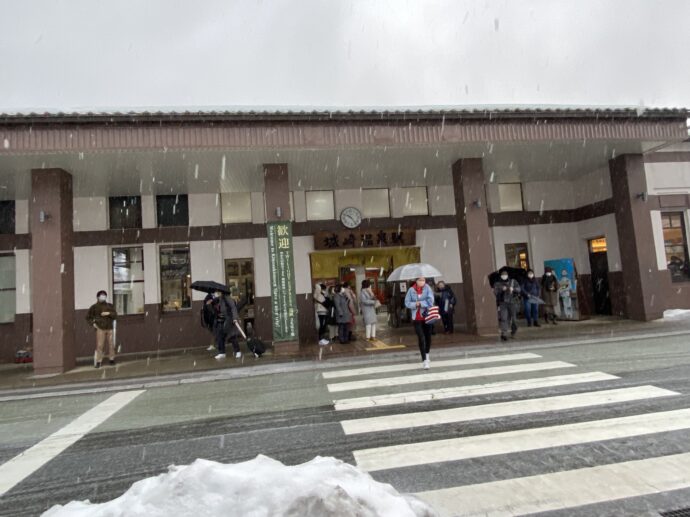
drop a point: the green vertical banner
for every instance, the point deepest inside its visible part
(283, 295)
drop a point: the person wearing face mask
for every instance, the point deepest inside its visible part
(418, 299)
(101, 316)
(225, 325)
(549, 289)
(531, 292)
(506, 290)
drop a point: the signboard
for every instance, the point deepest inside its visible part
(358, 239)
(282, 269)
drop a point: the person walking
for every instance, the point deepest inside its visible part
(531, 292)
(101, 316)
(506, 290)
(418, 299)
(549, 290)
(446, 306)
(368, 303)
(225, 325)
(347, 290)
(321, 307)
(564, 292)
(343, 314)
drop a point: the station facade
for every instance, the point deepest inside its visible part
(143, 204)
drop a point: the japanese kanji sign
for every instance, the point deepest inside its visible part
(349, 239)
(282, 268)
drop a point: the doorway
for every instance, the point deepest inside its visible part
(599, 266)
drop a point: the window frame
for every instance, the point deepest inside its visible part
(249, 219)
(173, 246)
(685, 245)
(522, 196)
(12, 289)
(11, 206)
(306, 200)
(388, 198)
(527, 251)
(426, 193)
(142, 281)
(158, 211)
(139, 219)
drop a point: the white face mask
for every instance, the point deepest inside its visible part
(216, 295)
(530, 275)
(548, 274)
(101, 298)
(504, 277)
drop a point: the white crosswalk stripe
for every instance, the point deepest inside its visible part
(558, 490)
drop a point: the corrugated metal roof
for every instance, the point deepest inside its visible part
(311, 113)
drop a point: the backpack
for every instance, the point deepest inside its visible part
(208, 316)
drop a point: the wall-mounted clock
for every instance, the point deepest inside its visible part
(351, 217)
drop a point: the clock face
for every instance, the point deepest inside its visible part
(351, 217)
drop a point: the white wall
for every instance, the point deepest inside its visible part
(441, 200)
(207, 263)
(92, 273)
(90, 214)
(258, 208)
(152, 288)
(300, 205)
(347, 198)
(303, 246)
(592, 188)
(238, 248)
(148, 211)
(553, 241)
(547, 195)
(204, 209)
(668, 178)
(658, 232)
(440, 248)
(21, 216)
(604, 226)
(22, 261)
(262, 278)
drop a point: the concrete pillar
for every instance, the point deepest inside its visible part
(474, 238)
(52, 270)
(641, 287)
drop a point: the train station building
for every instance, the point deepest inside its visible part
(142, 204)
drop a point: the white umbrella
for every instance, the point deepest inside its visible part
(414, 271)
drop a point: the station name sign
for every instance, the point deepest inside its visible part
(358, 239)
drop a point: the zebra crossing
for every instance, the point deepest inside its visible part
(470, 414)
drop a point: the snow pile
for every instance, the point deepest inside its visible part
(677, 314)
(324, 487)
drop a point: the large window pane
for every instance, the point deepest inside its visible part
(375, 203)
(125, 212)
(510, 197)
(172, 210)
(7, 217)
(8, 297)
(416, 201)
(176, 281)
(517, 255)
(676, 245)
(128, 280)
(236, 207)
(320, 205)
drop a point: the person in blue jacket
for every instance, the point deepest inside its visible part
(418, 299)
(531, 292)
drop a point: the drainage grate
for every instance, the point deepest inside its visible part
(682, 512)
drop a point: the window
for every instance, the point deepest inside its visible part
(375, 203)
(172, 210)
(176, 278)
(598, 245)
(239, 277)
(125, 212)
(320, 205)
(415, 201)
(8, 295)
(676, 245)
(236, 207)
(7, 217)
(128, 280)
(510, 197)
(517, 255)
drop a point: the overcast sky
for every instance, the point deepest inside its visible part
(68, 54)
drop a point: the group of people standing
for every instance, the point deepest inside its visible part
(336, 307)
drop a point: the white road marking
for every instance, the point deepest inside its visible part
(466, 391)
(442, 363)
(501, 409)
(455, 449)
(566, 489)
(445, 376)
(23, 465)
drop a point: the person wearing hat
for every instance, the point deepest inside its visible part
(101, 316)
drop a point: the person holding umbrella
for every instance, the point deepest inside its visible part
(505, 290)
(226, 324)
(419, 299)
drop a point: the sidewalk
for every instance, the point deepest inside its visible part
(390, 340)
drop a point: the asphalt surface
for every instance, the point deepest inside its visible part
(289, 414)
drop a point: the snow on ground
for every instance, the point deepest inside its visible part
(324, 487)
(677, 314)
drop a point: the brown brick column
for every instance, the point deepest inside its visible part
(641, 289)
(52, 270)
(476, 253)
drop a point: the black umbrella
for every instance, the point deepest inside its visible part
(209, 286)
(515, 273)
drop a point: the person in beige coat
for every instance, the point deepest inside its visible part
(101, 316)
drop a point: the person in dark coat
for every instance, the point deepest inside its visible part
(549, 290)
(101, 316)
(225, 325)
(446, 306)
(343, 314)
(506, 290)
(530, 292)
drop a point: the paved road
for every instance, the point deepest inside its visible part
(601, 428)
